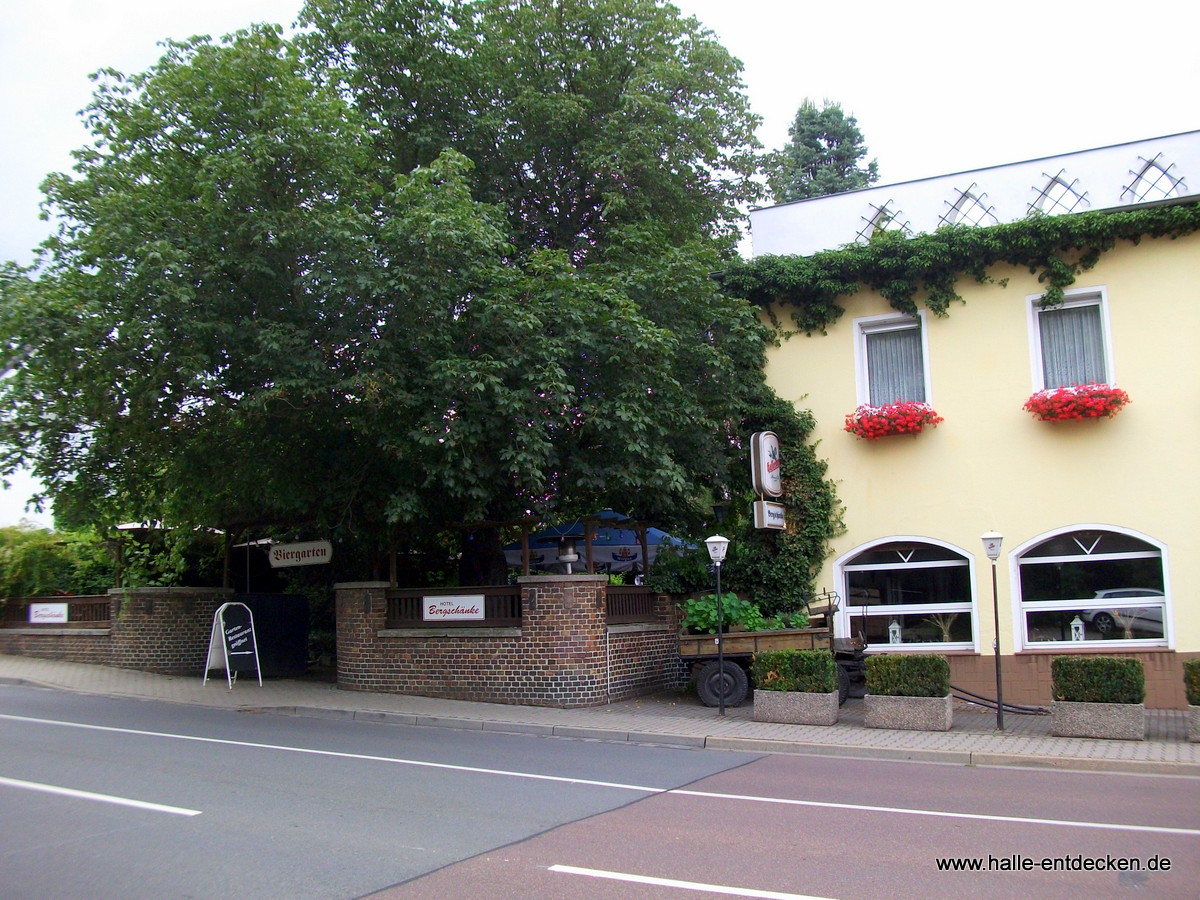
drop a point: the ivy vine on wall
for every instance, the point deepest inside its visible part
(927, 267)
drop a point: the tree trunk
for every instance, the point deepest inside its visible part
(482, 560)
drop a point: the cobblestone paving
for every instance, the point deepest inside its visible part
(665, 717)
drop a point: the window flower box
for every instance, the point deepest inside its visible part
(903, 417)
(1079, 401)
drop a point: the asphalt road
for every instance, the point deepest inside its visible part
(108, 798)
(795, 827)
(262, 806)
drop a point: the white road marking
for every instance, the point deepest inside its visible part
(561, 779)
(337, 754)
(101, 798)
(682, 885)
(907, 811)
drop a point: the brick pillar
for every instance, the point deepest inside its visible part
(564, 640)
(361, 615)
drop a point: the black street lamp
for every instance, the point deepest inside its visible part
(717, 546)
(991, 546)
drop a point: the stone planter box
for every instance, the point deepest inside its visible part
(909, 713)
(1111, 721)
(796, 708)
(1194, 724)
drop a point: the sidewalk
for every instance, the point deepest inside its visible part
(666, 718)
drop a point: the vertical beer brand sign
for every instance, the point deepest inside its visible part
(766, 468)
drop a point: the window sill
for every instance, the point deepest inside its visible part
(960, 650)
(1109, 647)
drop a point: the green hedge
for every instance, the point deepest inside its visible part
(908, 675)
(806, 671)
(1097, 679)
(1191, 681)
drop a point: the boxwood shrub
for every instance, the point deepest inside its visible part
(1097, 679)
(1191, 681)
(908, 675)
(805, 671)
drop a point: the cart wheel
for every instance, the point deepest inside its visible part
(843, 684)
(712, 681)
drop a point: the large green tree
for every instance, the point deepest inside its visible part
(581, 116)
(429, 264)
(824, 155)
(180, 347)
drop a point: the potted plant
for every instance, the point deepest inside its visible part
(1098, 697)
(901, 417)
(943, 622)
(909, 691)
(1079, 401)
(796, 687)
(1191, 686)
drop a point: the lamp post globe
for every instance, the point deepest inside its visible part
(717, 545)
(991, 546)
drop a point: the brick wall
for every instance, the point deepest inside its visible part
(81, 645)
(564, 654)
(161, 630)
(1026, 676)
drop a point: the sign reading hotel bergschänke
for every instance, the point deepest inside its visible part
(766, 464)
(452, 609)
(311, 553)
(48, 613)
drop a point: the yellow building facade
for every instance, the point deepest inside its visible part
(1099, 516)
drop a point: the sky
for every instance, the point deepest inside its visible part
(937, 86)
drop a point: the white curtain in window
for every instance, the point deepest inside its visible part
(1072, 346)
(894, 366)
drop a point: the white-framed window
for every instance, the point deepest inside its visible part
(1070, 343)
(891, 359)
(909, 593)
(1091, 585)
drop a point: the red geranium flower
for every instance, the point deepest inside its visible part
(901, 417)
(1079, 401)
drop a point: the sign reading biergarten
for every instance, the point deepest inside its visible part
(766, 472)
(310, 553)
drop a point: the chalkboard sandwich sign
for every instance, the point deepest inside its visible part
(232, 646)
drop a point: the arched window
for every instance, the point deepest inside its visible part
(911, 593)
(1058, 195)
(882, 218)
(970, 208)
(1153, 180)
(1092, 585)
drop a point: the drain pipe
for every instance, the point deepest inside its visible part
(607, 664)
